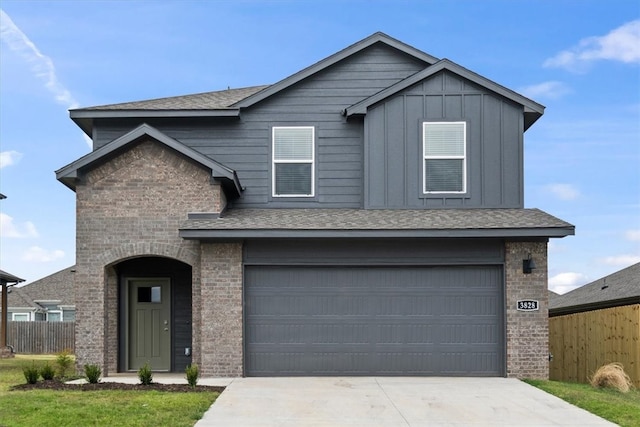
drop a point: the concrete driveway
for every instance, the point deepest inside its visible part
(390, 402)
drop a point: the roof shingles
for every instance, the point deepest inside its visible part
(378, 219)
(619, 286)
(218, 100)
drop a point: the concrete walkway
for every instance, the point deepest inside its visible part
(390, 402)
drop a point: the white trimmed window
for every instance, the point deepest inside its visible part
(20, 317)
(54, 316)
(444, 163)
(293, 158)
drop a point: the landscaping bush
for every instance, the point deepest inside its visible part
(64, 362)
(193, 373)
(611, 376)
(31, 373)
(92, 373)
(145, 374)
(47, 372)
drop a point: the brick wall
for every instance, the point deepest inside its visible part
(222, 350)
(132, 206)
(527, 332)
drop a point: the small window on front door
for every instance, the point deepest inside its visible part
(149, 294)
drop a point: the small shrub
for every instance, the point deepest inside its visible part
(64, 362)
(92, 373)
(31, 373)
(47, 372)
(145, 374)
(193, 373)
(611, 376)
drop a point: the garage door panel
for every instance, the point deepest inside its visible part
(373, 321)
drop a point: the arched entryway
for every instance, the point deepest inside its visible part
(154, 314)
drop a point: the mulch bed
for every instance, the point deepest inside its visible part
(57, 385)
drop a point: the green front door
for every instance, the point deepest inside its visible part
(149, 331)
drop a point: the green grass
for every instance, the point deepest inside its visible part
(620, 408)
(93, 408)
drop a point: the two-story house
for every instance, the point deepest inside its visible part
(364, 216)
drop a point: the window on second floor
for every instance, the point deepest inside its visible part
(444, 157)
(293, 161)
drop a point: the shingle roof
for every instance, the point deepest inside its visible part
(218, 100)
(55, 287)
(619, 288)
(417, 222)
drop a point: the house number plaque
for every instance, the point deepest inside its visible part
(528, 305)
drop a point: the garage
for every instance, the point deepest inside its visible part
(313, 320)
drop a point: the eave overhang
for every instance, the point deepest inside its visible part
(69, 174)
(532, 110)
(223, 235)
(238, 224)
(599, 305)
(84, 118)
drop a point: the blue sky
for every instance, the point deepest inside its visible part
(581, 59)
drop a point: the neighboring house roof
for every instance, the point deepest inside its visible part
(70, 173)
(257, 223)
(55, 287)
(619, 288)
(533, 111)
(8, 278)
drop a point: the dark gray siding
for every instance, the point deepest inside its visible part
(393, 150)
(244, 144)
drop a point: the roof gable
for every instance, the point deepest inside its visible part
(333, 59)
(70, 173)
(532, 110)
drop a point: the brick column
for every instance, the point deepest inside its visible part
(221, 310)
(527, 332)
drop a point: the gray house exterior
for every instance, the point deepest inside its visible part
(364, 216)
(48, 299)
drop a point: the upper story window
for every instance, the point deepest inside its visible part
(444, 156)
(293, 161)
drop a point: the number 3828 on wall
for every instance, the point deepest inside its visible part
(528, 305)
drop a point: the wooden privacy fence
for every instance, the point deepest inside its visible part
(41, 337)
(582, 342)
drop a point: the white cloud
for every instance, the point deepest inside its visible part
(564, 282)
(563, 191)
(37, 254)
(633, 235)
(624, 260)
(9, 229)
(8, 158)
(551, 90)
(41, 65)
(621, 44)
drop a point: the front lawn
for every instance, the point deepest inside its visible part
(93, 408)
(620, 408)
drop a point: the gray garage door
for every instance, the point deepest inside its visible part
(374, 321)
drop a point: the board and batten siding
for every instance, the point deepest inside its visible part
(244, 144)
(393, 146)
